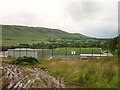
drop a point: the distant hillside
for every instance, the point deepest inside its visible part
(13, 35)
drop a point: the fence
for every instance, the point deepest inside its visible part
(37, 53)
(57, 53)
(79, 53)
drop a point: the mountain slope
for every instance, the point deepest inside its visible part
(13, 35)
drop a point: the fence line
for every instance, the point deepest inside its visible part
(66, 53)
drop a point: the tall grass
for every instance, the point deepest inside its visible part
(85, 73)
(95, 73)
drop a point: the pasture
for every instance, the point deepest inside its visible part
(76, 51)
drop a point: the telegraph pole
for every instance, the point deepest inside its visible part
(52, 49)
(80, 51)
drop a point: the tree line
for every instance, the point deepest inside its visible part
(114, 46)
(50, 45)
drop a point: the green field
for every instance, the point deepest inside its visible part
(64, 51)
(16, 42)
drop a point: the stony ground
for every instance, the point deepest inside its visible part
(14, 77)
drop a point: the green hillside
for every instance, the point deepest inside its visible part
(14, 35)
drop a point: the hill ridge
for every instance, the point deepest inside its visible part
(21, 34)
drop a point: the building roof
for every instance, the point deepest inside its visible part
(29, 49)
(96, 55)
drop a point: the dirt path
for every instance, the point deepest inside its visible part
(19, 77)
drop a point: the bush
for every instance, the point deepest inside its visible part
(24, 63)
(25, 60)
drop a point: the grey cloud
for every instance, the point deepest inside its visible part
(89, 18)
(26, 18)
(94, 18)
(103, 31)
(83, 10)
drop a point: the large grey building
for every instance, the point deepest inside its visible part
(44, 54)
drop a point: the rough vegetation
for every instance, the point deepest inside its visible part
(85, 73)
(91, 73)
(25, 61)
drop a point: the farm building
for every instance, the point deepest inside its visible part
(37, 53)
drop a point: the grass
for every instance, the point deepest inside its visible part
(15, 42)
(91, 74)
(11, 35)
(62, 51)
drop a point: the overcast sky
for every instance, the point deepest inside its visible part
(97, 18)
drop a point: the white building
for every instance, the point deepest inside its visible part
(44, 54)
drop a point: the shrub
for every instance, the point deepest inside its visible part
(24, 63)
(25, 60)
